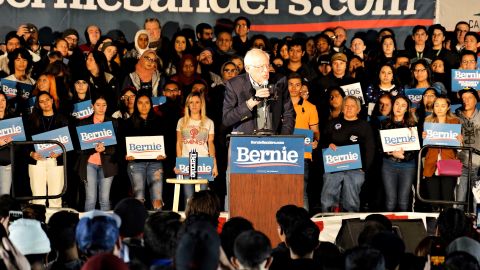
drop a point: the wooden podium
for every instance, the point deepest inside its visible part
(262, 185)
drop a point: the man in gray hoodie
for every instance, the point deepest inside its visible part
(470, 117)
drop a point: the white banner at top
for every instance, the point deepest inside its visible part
(450, 12)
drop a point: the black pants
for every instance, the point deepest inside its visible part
(440, 187)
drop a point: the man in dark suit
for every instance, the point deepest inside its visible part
(247, 95)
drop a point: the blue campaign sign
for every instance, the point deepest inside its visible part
(343, 159)
(12, 128)
(82, 110)
(204, 167)
(90, 135)
(157, 101)
(464, 78)
(12, 89)
(308, 133)
(61, 135)
(442, 134)
(267, 155)
(414, 95)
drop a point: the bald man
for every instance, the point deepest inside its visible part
(248, 94)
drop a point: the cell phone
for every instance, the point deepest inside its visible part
(437, 255)
(14, 215)
(477, 220)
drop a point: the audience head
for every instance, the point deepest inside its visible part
(204, 202)
(364, 258)
(133, 214)
(302, 238)
(61, 230)
(161, 233)
(252, 250)
(451, 224)
(287, 216)
(230, 230)
(98, 232)
(28, 236)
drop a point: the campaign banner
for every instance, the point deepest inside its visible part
(157, 101)
(13, 88)
(400, 139)
(267, 155)
(204, 167)
(465, 78)
(345, 158)
(442, 134)
(449, 13)
(90, 135)
(12, 128)
(82, 110)
(415, 96)
(145, 147)
(61, 135)
(354, 89)
(308, 133)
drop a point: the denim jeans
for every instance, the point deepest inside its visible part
(96, 180)
(397, 179)
(350, 193)
(462, 186)
(149, 173)
(5, 179)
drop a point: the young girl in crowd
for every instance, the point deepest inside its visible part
(98, 166)
(145, 172)
(399, 167)
(195, 131)
(439, 187)
(45, 171)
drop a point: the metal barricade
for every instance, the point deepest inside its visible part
(420, 175)
(12, 159)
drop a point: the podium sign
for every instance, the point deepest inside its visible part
(204, 167)
(267, 155)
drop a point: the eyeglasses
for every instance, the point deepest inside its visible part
(127, 97)
(149, 59)
(261, 67)
(419, 70)
(468, 62)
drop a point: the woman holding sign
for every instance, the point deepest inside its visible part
(195, 131)
(45, 170)
(98, 166)
(346, 185)
(144, 122)
(440, 187)
(5, 167)
(399, 166)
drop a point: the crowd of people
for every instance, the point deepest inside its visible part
(131, 238)
(212, 80)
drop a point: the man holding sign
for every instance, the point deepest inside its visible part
(307, 119)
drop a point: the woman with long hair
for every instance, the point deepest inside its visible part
(45, 171)
(422, 77)
(5, 167)
(146, 76)
(97, 167)
(385, 83)
(399, 166)
(101, 82)
(195, 131)
(145, 172)
(439, 187)
(178, 47)
(186, 74)
(126, 103)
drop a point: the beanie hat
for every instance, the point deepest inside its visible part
(70, 31)
(97, 231)
(133, 215)
(28, 237)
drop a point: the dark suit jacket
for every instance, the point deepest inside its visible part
(236, 113)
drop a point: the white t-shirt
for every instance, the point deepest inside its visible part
(195, 137)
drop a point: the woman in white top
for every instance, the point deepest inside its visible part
(195, 131)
